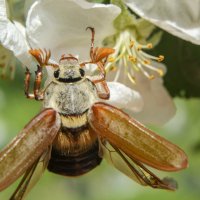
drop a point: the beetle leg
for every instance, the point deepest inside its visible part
(23, 185)
(99, 57)
(105, 94)
(145, 175)
(101, 76)
(133, 168)
(31, 176)
(37, 95)
(105, 60)
(92, 42)
(42, 57)
(94, 55)
(27, 84)
(38, 78)
(99, 80)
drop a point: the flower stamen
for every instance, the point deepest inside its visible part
(131, 44)
(160, 58)
(111, 59)
(132, 59)
(128, 50)
(150, 46)
(131, 78)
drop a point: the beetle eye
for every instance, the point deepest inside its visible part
(56, 73)
(82, 72)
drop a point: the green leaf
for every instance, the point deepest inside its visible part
(183, 66)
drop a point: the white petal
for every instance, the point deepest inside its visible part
(158, 105)
(12, 38)
(60, 25)
(124, 98)
(3, 9)
(180, 18)
(27, 5)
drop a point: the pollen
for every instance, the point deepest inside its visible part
(131, 44)
(132, 59)
(113, 68)
(151, 77)
(150, 46)
(111, 59)
(147, 62)
(139, 47)
(160, 58)
(160, 71)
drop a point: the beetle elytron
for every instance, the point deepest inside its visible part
(74, 131)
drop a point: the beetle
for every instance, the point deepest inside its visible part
(75, 130)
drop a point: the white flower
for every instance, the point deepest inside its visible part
(157, 106)
(133, 66)
(157, 102)
(180, 18)
(12, 39)
(60, 26)
(131, 57)
(125, 98)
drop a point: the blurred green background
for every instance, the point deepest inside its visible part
(104, 182)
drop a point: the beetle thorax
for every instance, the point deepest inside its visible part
(70, 93)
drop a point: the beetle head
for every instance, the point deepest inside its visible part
(69, 70)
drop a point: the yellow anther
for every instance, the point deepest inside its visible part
(160, 58)
(139, 47)
(150, 45)
(111, 59)
(132, 59)
(131, 44)
(113, 68)
(151, 77)
(160, 71)
(147, 62)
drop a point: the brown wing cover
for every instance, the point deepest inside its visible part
(135, 140)
(28, 146)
